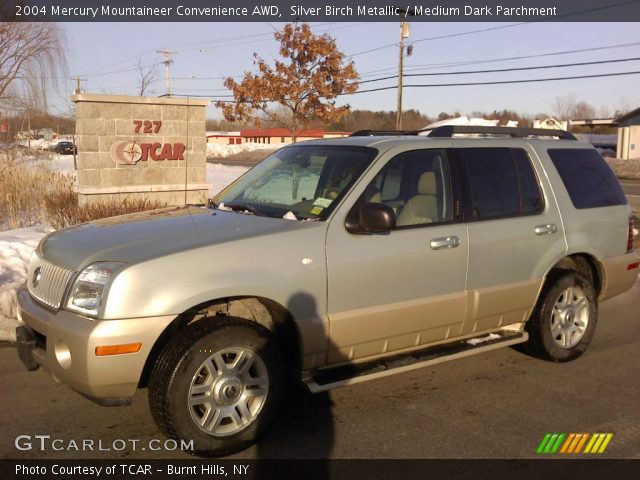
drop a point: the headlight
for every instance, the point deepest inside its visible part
(86, 292)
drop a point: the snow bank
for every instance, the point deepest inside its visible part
(220, 151)
(16, 247)
(42, 144)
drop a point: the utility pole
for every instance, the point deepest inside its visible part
(78, 90)
(167, 63)
(404, 33)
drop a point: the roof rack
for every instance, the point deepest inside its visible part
(384, 133)
(448, 131)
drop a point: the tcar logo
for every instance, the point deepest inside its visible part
(129, 153)
(37, 275)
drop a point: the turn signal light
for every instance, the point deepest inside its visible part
(118, 349)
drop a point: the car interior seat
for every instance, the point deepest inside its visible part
(423, 207)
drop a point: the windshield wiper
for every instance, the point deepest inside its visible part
(243, 207)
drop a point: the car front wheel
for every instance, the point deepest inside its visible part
(219, 383)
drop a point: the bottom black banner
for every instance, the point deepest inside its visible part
(321, 469)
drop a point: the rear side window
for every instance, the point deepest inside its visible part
(501, 183)
(587, 178)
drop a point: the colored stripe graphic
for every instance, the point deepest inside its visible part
(551, 443)
(598, 442)
(543, 443)
(572, 443)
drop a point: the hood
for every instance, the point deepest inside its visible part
(142, 236)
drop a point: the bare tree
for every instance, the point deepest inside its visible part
(32, 61)
(147, 75)
(583, 110)
(564, 106)
(568, 108)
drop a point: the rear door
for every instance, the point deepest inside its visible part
(515, 232)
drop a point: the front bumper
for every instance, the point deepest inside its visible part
(64, 343)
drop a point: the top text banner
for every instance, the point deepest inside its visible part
(320, 11)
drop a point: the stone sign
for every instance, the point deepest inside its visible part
(141, 147)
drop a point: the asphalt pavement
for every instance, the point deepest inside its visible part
(495, 405)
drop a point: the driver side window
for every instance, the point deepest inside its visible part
(416, 186)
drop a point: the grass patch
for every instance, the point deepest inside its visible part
(32, 194)
(23, 186)
(63, 210)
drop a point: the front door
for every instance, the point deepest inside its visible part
(404, 289)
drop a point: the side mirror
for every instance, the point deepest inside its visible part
(376, 218)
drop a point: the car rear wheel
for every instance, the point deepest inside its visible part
(564, 321)
(218, 383)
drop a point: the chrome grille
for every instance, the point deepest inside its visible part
(47, 282)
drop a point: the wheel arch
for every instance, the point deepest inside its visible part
(263, 311)
(583, 263)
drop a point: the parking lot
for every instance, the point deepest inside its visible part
(495, 405)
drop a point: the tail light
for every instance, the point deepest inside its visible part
(630, 236)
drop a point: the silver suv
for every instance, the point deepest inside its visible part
(332, 262)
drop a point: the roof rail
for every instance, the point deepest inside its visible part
(448, 131)
(383, 133)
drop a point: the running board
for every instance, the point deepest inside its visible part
(328, 379)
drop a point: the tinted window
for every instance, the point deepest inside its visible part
(530, 195)
(493, 189)
(588, 179)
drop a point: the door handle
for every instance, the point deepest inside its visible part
(546, 229)
(444, 242)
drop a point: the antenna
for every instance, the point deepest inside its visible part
(167, 62)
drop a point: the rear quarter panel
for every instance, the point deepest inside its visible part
(600, 232)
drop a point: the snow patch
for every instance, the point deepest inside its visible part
(16, 247)
(289, 216)
(215, 150)
(486, 338)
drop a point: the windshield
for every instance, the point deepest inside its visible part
(306, 181)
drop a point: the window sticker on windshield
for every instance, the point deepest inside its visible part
(322, 202)
(316, 210)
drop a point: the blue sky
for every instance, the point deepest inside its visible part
(105, 54)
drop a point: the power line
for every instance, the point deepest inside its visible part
(222, 98)
(459, 34)
(451, 64)
(503, 59)
(497, 82)
(496, 70)
(241, 40)
(501, 27)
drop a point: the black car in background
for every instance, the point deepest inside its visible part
(66, 148)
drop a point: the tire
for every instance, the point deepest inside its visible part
(220, 383)
(564, 320)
